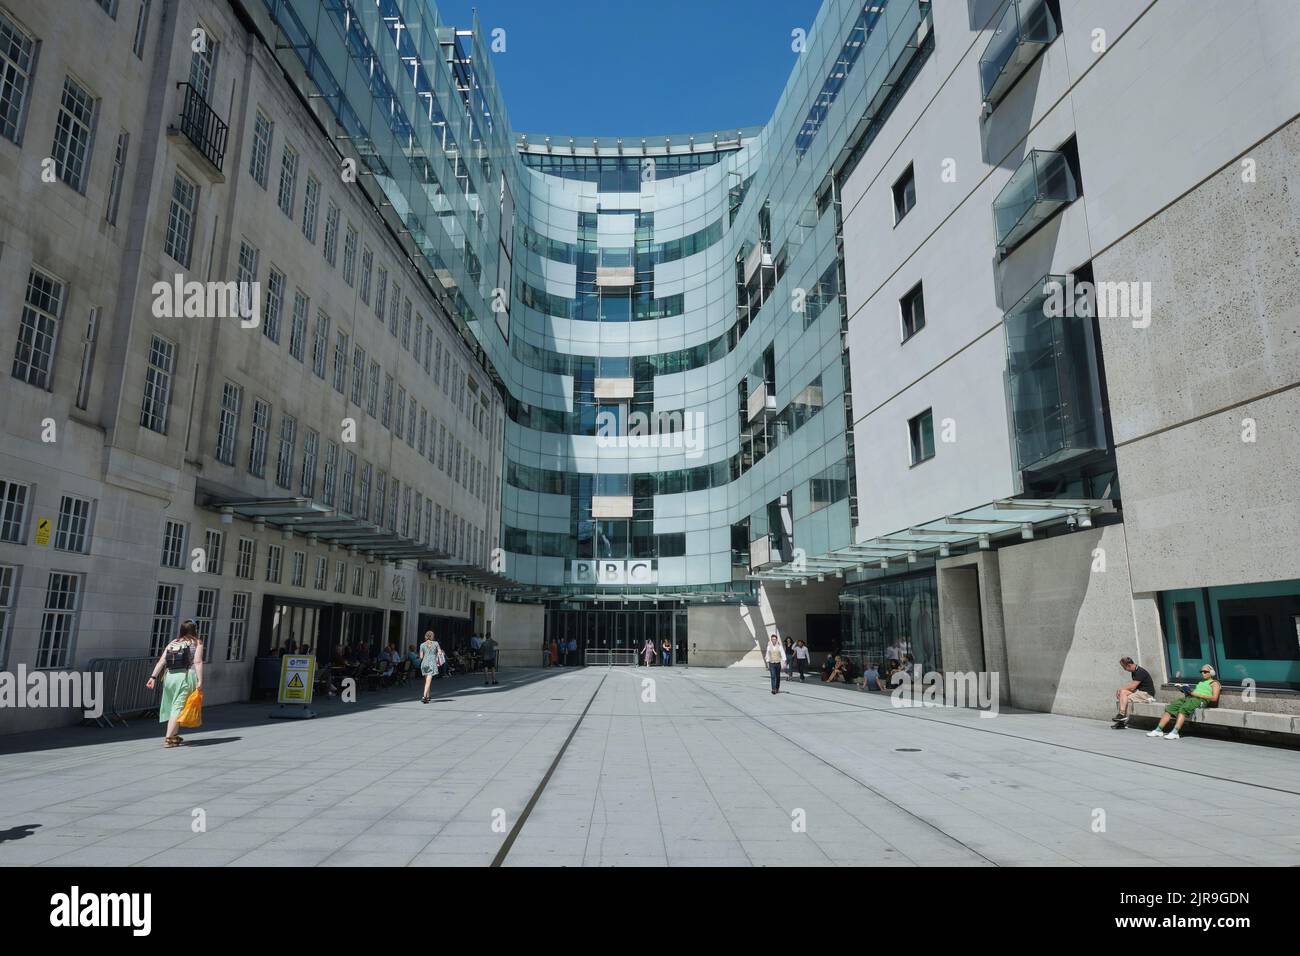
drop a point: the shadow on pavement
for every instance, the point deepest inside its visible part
(232, 716)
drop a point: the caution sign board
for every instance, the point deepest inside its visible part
(43, 531)
(297, 673)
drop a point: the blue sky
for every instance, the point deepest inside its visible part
(639, 67)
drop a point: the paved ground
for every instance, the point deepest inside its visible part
(713, 771)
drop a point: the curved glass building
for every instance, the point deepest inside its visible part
(663, 315)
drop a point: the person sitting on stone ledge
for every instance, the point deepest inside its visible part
(1140, 688)
(1204, 694)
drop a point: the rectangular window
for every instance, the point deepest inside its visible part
(232, 397)
(358, 374)
(320, 344)
(298, 576)
(298, 326)
(406, 324)
(340, 576)
(399, 428)
(179, 241)
(410, 423)
(205, 613)
(381, 489)
(73, 533)
(416, 336)
(912, 307)
(115, 180)
(310, 442)
(904, 194)
(419, 515)
(437, 363)
(341, 362)
(331, 242)
(202, 65)
(349, 477)
(331, 462)
(173, 545)
(386, 418)
(357, 572)
(16, 61)
(166, 604)
(349, 255)
(38, 330)
(288, 180)
(372, 588)
(424, 428)
(381, 292)
(246, 559)
(59, 621)
(367, 267)
(392, 313)
(261, 433)
(921, 433)
(372, 391)
(394, 498)
(406, 512)
(284, 457)
(363, 493)
(273, 555)
(257, 160)
(310, 203)
(213, 541)
(141, 29)
(428, 348)
(72, 132)
(274, 305)
(158, 385)
(238, 626)
(322, 573)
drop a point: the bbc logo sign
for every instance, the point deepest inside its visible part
(613, 571)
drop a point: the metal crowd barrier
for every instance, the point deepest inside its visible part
(619, 657)
(125, 693)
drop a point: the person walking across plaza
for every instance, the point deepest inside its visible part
(666, 653)
(775, 657)
(431, 658)
(488, 651)
(183, 660)
(648, 652)
(802, 658)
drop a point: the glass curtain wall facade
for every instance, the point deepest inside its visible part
(663, 316)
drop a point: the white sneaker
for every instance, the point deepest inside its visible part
(1156, 733)
(1172, 735)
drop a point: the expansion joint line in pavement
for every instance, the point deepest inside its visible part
(908, 712)
(532, 801)
(861, 783)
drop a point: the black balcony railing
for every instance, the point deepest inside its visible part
(202, 126)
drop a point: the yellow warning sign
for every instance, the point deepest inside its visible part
(297, 672)
(43, 531)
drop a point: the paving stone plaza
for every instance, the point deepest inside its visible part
(699, 767)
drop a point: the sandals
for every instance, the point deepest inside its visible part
(172, 741)
(424, 700)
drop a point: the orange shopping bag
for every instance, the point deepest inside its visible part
(192, 712)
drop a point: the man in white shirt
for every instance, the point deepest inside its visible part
(775, 657)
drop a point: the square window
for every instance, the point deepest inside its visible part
(912, 309)
(920, 432)
(904, 194)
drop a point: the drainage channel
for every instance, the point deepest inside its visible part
(532, 801)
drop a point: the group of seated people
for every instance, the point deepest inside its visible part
(839, 669)
(359, 661)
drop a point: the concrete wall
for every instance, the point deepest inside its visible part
(519, 629)
(1067, 621)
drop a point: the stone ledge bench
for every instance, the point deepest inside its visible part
(1233, 722)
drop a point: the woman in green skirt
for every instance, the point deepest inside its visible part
(183, 661)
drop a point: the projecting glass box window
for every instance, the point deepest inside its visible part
(912, 307)
(904, 194)
(921, 436)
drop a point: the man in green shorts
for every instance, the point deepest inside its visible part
(1205, 693)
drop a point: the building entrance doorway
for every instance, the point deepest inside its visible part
(615, 635)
